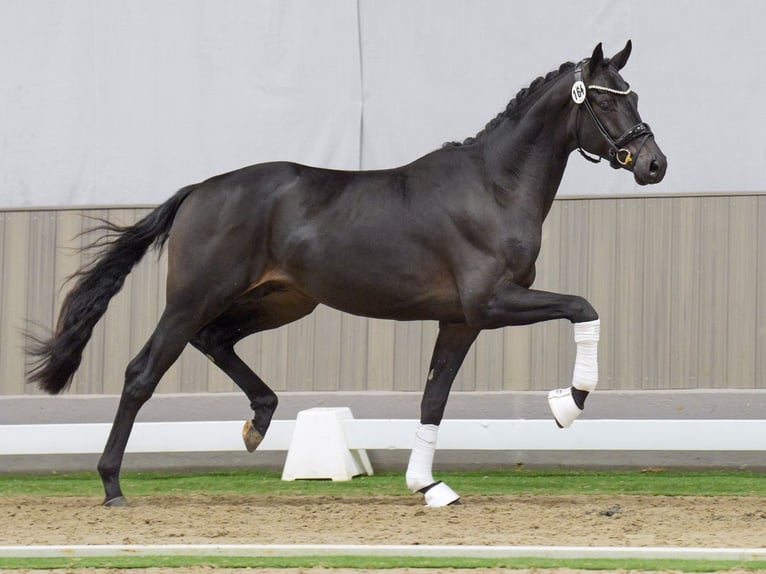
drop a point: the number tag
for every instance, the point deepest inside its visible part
(578, 92)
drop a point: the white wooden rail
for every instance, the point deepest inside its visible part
(372, 434)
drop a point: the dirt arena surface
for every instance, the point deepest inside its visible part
(210, 570)
(602, 520)
(529, 519)
(205, 570)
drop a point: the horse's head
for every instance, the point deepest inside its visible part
(607, 123)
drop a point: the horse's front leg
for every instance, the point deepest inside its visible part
(515, 305)
(452, 344)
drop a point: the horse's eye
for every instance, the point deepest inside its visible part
(604, 105)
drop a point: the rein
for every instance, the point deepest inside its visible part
(617, 150)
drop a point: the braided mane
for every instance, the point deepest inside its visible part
(524, 96)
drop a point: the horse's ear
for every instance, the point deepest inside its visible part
(621, 58)
(596, 58)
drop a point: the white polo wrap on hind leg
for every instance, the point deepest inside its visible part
(584, 376)
(419, 470)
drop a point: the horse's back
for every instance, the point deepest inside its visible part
(373, 243)
(376, 243)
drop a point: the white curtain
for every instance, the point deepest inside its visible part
(122, 102)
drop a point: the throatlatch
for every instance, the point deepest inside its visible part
(564, 402)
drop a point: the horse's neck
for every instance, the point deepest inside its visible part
(526, 155)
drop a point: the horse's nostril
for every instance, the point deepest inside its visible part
(654, 167)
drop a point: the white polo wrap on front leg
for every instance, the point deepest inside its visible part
(419, 470)
(585, 375)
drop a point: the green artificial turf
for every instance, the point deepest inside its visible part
(491, 482)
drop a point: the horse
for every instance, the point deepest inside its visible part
(451, 237)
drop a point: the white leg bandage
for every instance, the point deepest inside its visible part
(585, 376)
(419, 470)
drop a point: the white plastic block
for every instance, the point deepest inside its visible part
(319, 449)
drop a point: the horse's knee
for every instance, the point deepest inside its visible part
(581, 310)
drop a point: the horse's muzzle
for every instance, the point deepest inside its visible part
(650, 165)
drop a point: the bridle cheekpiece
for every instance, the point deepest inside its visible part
(617, 150)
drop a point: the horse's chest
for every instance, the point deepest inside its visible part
(520, 252)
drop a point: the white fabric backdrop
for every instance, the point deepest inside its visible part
(122, 102)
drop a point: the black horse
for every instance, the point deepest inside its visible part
(452, 237)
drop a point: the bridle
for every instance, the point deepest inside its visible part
(617, 150)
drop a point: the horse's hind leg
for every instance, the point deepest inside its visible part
(217, 343)
(263, 400)
(452, 345)
(141, 378)
(250, 314)
(192, 302)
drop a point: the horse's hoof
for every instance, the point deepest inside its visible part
(439, 494)
(116, 502)
(563, 407)
(251, 436)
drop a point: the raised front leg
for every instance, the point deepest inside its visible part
(452, 344)
(510, 304)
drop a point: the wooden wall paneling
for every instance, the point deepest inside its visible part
(16, 243)
(601, 281)
(626, 323)
(713, 297)
(38, 316)
(407, 352)
(680, 284)
(327, 349)
(354, 343)
(742, 283)
(380, 355)
(760, 339)
(656, 286)
(684, 272)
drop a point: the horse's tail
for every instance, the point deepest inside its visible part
(55, 360)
